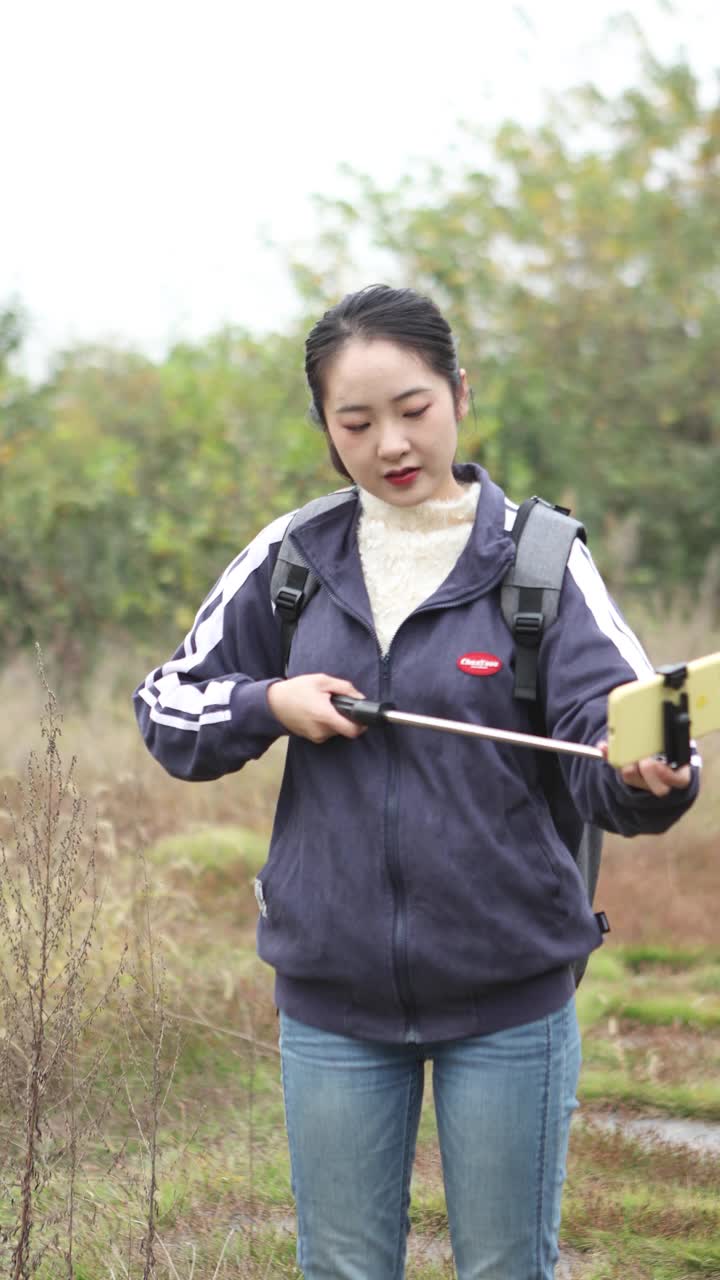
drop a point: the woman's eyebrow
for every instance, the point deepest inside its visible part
(363, 408)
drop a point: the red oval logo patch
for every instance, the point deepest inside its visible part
(479, 664)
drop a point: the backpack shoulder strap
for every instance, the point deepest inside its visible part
(543, 536)
(293, 583)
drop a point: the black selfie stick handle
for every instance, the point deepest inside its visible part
(360, 709)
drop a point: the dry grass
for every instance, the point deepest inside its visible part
(185, 1172)
(661, 888)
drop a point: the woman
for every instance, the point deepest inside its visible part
(417, 903)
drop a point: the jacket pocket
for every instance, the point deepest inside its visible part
(531, 831)
(294, 926)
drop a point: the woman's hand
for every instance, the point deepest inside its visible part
(303, 706)
(653, 775)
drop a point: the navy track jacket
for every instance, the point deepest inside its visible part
(416, 887)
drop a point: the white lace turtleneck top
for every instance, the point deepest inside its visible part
(406, 552)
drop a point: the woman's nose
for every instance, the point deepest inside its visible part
(393, 441)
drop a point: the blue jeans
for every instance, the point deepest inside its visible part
(503, 1104)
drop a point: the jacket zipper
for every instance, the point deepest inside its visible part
(401, 965)
(400, 959)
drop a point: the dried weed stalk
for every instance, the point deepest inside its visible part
(152, 1050)
(49, 908)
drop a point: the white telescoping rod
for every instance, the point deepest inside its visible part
(494, 735)
(366, 712)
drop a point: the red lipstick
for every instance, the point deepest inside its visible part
(403, 477)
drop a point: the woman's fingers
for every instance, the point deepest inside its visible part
(656, 776)
(346, 728)
(653, 775)
(302, 704)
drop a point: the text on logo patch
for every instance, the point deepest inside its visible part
(479, 664)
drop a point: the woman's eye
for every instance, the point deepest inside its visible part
(417, 413)
(356, 426)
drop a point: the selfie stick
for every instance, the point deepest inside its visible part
(362, 711)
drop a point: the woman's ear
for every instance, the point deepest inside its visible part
(463, 397)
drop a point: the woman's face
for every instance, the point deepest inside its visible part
(393, 421)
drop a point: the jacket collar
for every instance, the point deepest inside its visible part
(328, 543)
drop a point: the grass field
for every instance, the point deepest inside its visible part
(165, 1122)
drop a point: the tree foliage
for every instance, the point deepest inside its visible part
(579, 263)
(123, 498)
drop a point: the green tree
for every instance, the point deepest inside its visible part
(579, 262)
(21, 412)
(132, 484)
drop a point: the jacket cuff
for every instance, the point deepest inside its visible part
(250, 708)
(639, 812)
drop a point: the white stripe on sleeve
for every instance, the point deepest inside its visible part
(164, 691)
(192, 726)
(582, 568)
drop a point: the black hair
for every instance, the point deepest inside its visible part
(378, 312)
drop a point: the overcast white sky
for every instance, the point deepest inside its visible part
(150, 147)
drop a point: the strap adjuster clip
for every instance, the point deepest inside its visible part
(289, 602)
(527, 628)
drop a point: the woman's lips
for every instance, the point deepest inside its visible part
(406, 476)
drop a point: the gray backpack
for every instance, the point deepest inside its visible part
(543, 536)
